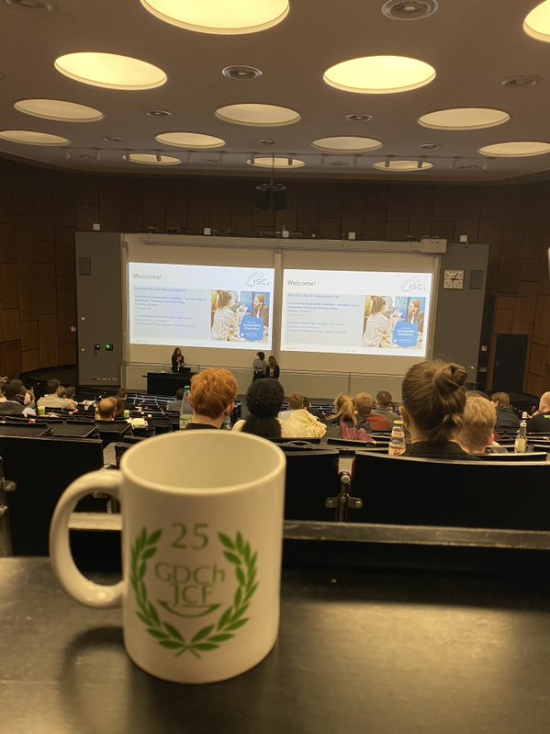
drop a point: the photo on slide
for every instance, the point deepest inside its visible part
(239, 316)
(393, 321)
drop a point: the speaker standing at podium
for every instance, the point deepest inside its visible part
(177, 360)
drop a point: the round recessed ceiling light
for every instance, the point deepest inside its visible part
(537, 22)
(190, 140)
(110, 71)
(151, 159)
(30, 137)
(276, 162)
(56, 109)
(403, 166)
(257, 115)
(347, 143)
(220, 16)
(356, 117)
(522, 81)
(409, 9)
(380, 74)
(464, 118)
(241, 73)
(517, 149)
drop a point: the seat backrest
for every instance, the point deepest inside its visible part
(509, 456)
(311, 477)
(24, 429)
(479, 494)
(42, 469)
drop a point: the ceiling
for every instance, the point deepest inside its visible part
(472, 44)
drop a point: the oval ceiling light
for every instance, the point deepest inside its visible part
(110, 71)
(220, 16)
(151, 159)
(464, 118)
(517, 149)
(380, 74)
(190, 140)
(257, 115)
(275, 162)
(30, 137)
(403, 166)
(537, 22)
(56, 109)
(347, 143)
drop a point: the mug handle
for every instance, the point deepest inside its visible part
(65, 570)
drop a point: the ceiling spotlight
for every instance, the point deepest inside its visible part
(430, 146)
(158, 113)
(30, 4)
(267, 141)
(522, 81)
(409, 9)
(113, 139)
(359, 118)
(241, 73)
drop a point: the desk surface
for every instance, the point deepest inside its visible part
(357, 652)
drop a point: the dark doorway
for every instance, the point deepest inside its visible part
(510, 359)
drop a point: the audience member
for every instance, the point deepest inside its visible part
(479, 420)
(14, 404)
(344, 418)
(259, 366)
(106, 409)
(363, 402)
(264, 400)
(298, 421)
(433, 409)
(212, 397)
(507, 420)
(175, 405)
(122, 392)
(70, 392)
(273, 370)
(119, 410)
(382, 406)
(3, 382)
(317, 412)
(540, 421)
(52, 399)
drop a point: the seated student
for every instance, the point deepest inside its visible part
(174, 406)
(119, 411)
(264, 400)
(298, 421)
(540, 420)
(52, 399)
(212, 397)
(122, 392)
(433, 409)
(345, 418)
(317, 412)
(69, 395)
(477, 433)
(382, 407)
(363, 402)
(106, 410)
(14, 403)
(507, 420)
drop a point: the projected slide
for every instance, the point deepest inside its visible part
(351, 312)
(200, 306)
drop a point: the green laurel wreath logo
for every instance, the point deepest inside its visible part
(208, 638)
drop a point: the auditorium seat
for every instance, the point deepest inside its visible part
(477, 494)
(42, 468)
(312, 476)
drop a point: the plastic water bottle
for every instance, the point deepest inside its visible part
(186, 411)
(520, 446)
(397, 442)
(227, 423)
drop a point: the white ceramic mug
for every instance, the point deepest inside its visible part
(202, 518)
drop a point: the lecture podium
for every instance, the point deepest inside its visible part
(166, 383)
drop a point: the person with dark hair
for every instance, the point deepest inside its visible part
(14, 404)
(507, 420)
(174, 405)
(259, 366)
(272, 370)
(177, 362)
(382, 407)
(433, 408)
(264, 400)
(52, 399)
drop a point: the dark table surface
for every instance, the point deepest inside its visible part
(357, 652)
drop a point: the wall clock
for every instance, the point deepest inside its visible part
(453, 279)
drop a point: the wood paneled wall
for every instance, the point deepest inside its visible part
(40, 210)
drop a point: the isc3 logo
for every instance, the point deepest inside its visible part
(412, 285)
(256, 279)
